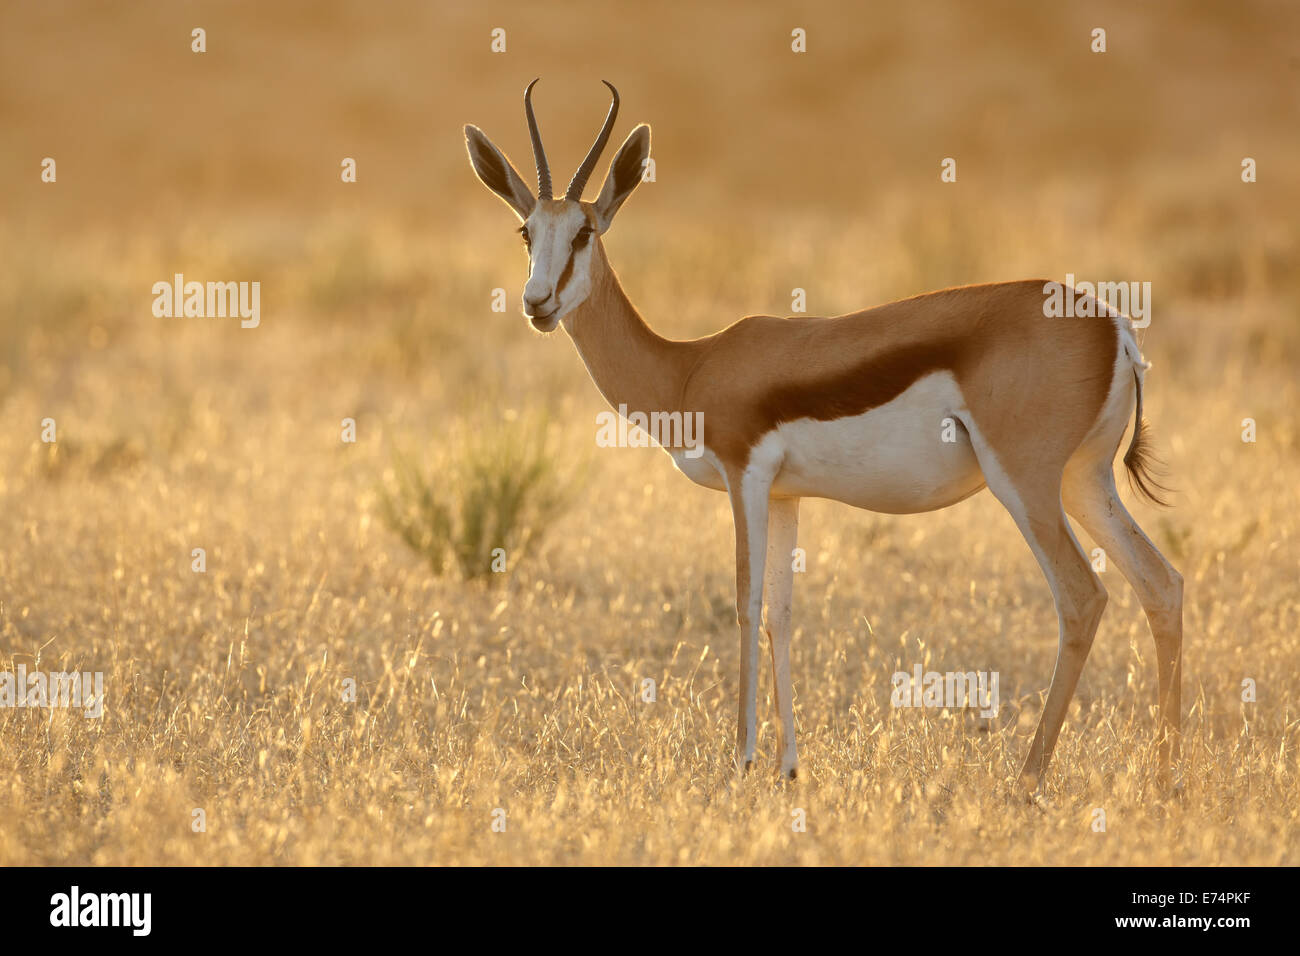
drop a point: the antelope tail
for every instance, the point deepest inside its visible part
(1143, 467)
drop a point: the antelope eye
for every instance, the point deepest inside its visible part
(581, 238)
(528, 240)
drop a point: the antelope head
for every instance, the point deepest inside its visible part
(562, 235)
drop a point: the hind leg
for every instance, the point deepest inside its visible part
(1090, 496)
(1032, 495)
(1080, 599)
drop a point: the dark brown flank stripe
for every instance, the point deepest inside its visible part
(858, 389)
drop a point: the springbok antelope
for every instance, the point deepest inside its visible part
(852, 408)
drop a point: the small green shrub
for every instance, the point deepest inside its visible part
(500, 489)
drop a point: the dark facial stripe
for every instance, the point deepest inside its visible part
(565, 275)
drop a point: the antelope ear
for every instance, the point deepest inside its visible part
(623, 176)
(497, 174)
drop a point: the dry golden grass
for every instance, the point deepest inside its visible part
(224, 689)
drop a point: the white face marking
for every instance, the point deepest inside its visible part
(554, 237)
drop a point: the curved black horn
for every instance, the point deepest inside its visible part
(539, 154)
(579, 181)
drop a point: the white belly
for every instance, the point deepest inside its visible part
(906, 456)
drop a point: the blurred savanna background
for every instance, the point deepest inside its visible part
(333, 564)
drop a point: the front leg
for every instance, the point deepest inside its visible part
(782, 536)
(748, 491)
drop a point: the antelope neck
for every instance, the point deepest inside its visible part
(630, 363)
